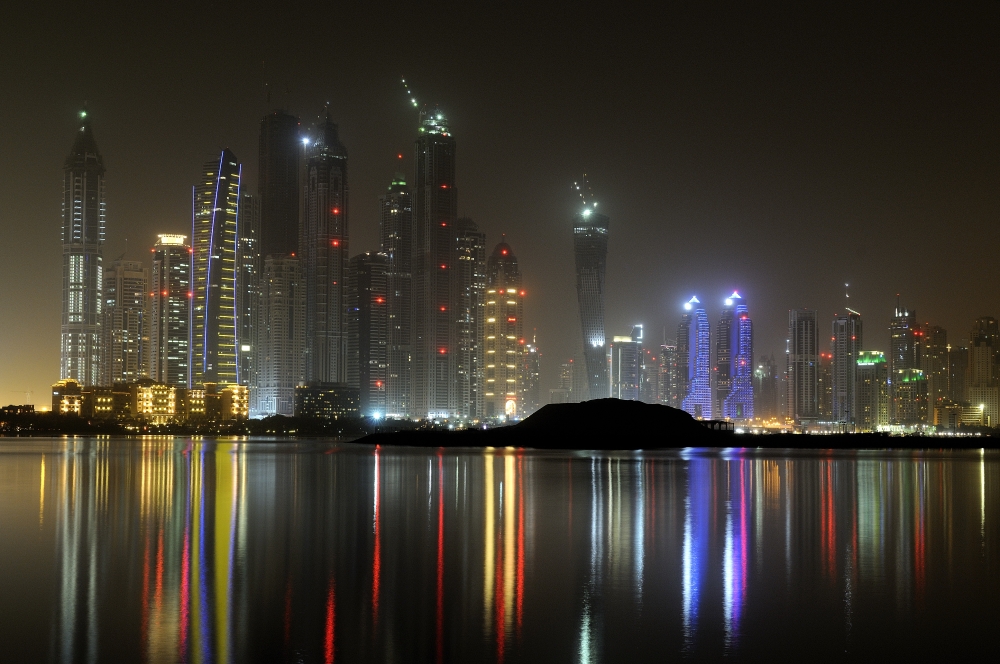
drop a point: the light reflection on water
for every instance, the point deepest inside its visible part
(166, 550)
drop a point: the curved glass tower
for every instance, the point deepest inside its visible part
(83, 212)
(590, 244)
(698, 401)
(738, 402)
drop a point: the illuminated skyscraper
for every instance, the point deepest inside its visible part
(982, 375)
(722, 370)
(590, 243)
(698, 401)
(248, 267)
(824, 387)
(934, 363)
(434, 371)
(847, 344)
(530, 374)
(503, 334)
(124, 328)
(214, 228)
(278, 183)
(872, 391)
(83, 219)
(280, 335)
(626, 365)
(682, 366)
(170, 320)
(739, 401)
(470, 283)
(803, 366)
(396, 240)
(368, 331)
(323, 254)
(669, 392)
(903, 350)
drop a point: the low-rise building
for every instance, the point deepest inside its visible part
(332, 401)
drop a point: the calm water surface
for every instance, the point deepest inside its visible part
(176, 550)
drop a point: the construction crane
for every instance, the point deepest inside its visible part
(27, 394)
(584, 191)
(409, 94)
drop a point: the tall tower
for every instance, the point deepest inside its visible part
(248, 267)
(847, 345)
(698, 401)
(470, 284)
(502, 336)
(903, 350)
(435, 208)
(934, 362)
(530, 373)
(368, 330)
(396, 241)
(722, 373)
(170, 324)
(280, 335)
(682, 354)
(803, 365)
(124, 328)
(982, 376)
(590, 244)
(626, 365)
(214, 315)
(323, 251)
(739, 401)
(83, 219)
(278, 183)
(872, 391)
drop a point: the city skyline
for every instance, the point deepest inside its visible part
(687, 185)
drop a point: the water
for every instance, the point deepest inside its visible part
(166, 550)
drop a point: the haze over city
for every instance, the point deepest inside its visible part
(782, 152)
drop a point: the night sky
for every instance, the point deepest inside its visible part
(782, 151)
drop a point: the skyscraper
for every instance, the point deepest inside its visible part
(982, 375)
(872, 391)
(847, 344)
(170, 324)
(803, 366)
(503, 334)
(668, 390)
(590, 244)
(214, 228)
(626, 365)
(368, 330)
(722, 371)
(698, 401)
(934, 363)
(83, 219)
(766, 382)
(396, 241)
(280, 335)
(125, 300)
(682, 366)
(470, 283)
(530, 375)
(248, 267)
(323, 240)
(434, 372)
(738, 403)
(278, 183)
(903, 350)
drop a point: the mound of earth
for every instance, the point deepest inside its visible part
(611, 424)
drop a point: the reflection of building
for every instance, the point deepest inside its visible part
(590, 243)
(872, 391)
(83, 210)
(125, 329)
(626, 365)
(280, 336)
(368, 331)
(698, 401)
(803, 365)
(396, 238)
(847, 344)
(214, 352)
(503, 335)
(323, 254)
(170, 320)
(332, 401)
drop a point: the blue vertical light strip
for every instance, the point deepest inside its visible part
(236, 272)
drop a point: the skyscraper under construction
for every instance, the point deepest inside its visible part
(590, 244)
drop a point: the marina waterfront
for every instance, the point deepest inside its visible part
(195, 550)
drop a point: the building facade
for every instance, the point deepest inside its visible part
(214, 233)
(280, 154)
(626, 365)
(847, 342)
(872, 391)
(698, 401)
(982, 375)
(470, 288)
(83, 225)
(368, 331)
(248, 266)
(396, 241)
(170, 312)
(723, 355)
(802, 366)
(503, 336)
(323, 252)
(738, 403)
(125, 333)
(281, 335)
(904, 350)
(590, 244)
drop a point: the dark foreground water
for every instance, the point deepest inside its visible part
(168, 550)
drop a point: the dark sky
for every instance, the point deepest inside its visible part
(780, 150)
